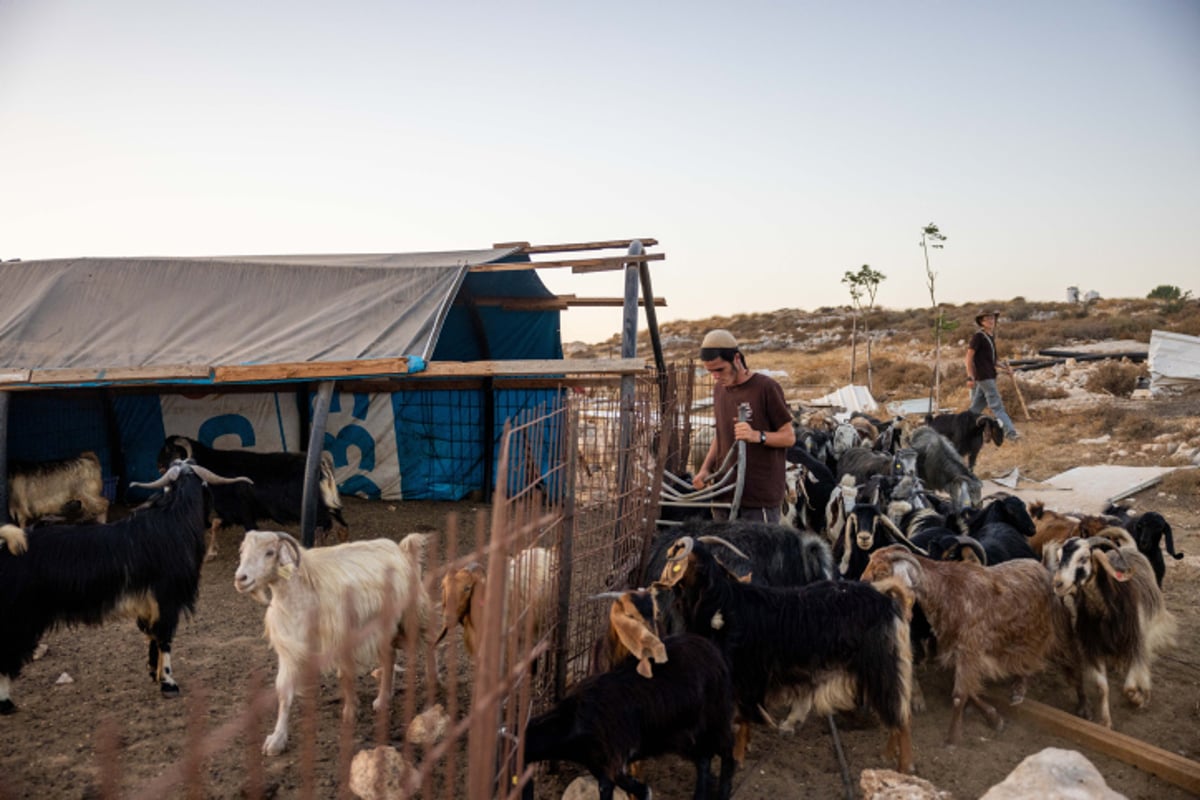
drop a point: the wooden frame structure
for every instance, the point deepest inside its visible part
(324, 375)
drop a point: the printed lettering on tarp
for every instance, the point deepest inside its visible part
(360, 435)
(266, 422)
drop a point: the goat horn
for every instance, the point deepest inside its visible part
(607, 596)
(1119, 571)
(683, 547)
(213, 479)
(167, 477)
(720, 541)
(289, 541)
(899, 534)
(975, 546)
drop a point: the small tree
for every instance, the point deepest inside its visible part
(1173, 297)
(932, 238)
(1165, 292)
(864, 283)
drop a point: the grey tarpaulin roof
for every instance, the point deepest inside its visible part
(96, 314)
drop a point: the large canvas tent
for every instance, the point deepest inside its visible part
(112, 354)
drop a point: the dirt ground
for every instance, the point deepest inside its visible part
(49, 748)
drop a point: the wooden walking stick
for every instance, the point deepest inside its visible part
(1017, 387)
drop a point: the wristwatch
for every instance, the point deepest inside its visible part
(762, 437)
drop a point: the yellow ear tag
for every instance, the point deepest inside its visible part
(515, 780)
(675, 568)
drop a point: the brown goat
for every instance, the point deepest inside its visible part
(527, 591)
(991, 623)
(1053, 526)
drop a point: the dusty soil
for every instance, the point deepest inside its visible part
(49, 746)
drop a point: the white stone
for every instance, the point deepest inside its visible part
(64, 679)
(585, 788)
(365, 769)
(428, 727)
(886, 784)
(1053, 774)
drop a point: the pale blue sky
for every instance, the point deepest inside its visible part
(769, 147)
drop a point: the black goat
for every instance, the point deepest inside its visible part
(830, 645)
(940, 467)
(967, 431)
(613, 718)
(1152, 532)
(277, 493)
(770, 555)
(147, 564)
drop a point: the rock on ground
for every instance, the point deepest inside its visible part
(1053, 774)
(886, 784)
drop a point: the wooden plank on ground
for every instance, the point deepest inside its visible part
(566, 366)
(1172, 767)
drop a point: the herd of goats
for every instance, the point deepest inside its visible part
(889, 556)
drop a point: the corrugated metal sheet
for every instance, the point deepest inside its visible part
(1174, 361)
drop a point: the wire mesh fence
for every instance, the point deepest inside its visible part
(572, 514)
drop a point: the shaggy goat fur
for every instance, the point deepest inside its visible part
(371, 587)
(991, 622)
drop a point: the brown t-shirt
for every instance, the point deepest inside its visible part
(765, 485)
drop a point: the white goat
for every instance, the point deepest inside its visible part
(344, 590)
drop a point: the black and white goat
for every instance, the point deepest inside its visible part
(146, 565)
(276, 494)
(830, 645)
(1120, 618)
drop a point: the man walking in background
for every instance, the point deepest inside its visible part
(982, 364)
(767, 432)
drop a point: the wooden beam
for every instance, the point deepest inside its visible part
(566, 366)
(598, 264)
(121, 374)
(1176, 769)
(611, 301)
(526, 247)
(303, 370)
(558, 303)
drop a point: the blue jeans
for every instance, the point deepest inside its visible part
(772, 515)
(987, 395)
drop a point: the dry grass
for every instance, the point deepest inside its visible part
(1182, 483)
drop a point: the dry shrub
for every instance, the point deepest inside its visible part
(1031, 391)
(1128, 424)
(891, 376)
(1182, 483)
(1116, 378)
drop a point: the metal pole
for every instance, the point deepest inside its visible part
(628, 350)
(312, 462)
(4, 458)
